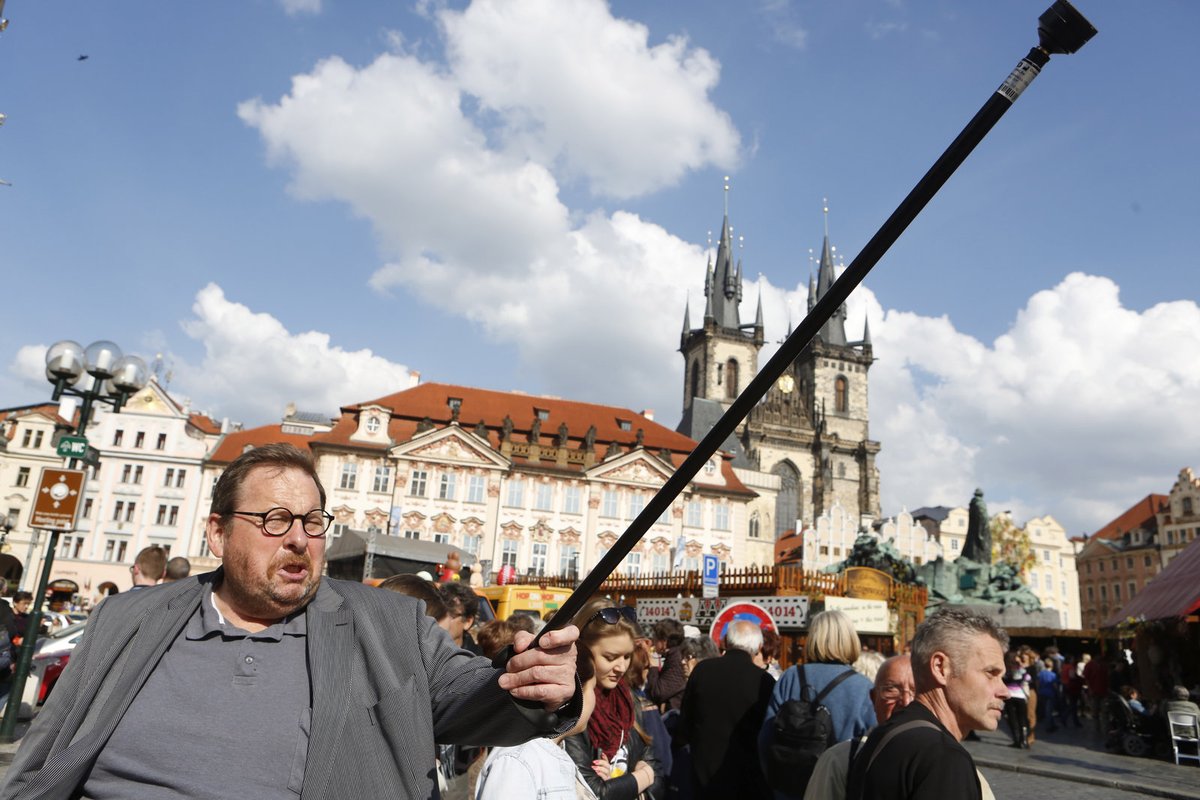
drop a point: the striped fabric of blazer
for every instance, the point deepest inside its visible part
(387, 683)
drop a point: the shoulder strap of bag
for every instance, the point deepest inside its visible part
(832, 684)
(887, 737)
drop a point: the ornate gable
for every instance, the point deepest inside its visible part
(450, 445)
(634, 468)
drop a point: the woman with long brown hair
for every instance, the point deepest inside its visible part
(614, 754)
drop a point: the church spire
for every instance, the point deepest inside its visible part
(834, 330)
(759, 337)
(726, 288)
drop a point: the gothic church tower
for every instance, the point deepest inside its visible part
(811, 430)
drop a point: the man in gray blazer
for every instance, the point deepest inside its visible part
(263, 679)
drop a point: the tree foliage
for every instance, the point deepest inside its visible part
(1011, 545)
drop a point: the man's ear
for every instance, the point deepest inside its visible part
(939, 667)
(214, 535)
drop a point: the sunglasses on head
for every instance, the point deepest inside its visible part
(613, 615)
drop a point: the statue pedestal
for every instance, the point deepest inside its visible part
(1013, 616)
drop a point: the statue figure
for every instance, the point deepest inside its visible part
(425, 425)
(506, 429)
(614, 449)
(979, 537)
(641, 436)
(589, 439)
(481, 430)
(535, 430)
(562, 435)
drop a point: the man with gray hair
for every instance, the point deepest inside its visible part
(958, 671)
(723, 707)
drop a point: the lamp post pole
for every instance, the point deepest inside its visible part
(99, 374)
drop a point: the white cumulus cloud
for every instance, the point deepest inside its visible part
(253, 366)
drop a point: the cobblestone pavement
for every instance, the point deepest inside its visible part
(1009, 785)
(1078, 755)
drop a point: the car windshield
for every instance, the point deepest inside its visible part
(63, 633)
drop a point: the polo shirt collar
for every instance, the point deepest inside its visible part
(208, 621)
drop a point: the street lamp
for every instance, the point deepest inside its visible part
(97, 374)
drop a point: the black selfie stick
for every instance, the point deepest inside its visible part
(1061, 29)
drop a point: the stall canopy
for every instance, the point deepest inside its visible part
(1174, 592)
(393, 555)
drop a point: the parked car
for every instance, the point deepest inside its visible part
(50, 657)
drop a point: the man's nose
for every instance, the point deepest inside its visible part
(296, 539)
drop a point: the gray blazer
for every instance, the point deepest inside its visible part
(387, 684)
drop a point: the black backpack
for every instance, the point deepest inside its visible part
(803, 730)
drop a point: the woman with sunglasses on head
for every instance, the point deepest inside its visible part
(614, 754)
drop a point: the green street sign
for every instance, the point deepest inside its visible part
(72, 446)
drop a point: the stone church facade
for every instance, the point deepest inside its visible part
(806, 446)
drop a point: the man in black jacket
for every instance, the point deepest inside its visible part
(723, 707)
(958, 668)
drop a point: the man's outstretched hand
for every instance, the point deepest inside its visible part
(546, 674)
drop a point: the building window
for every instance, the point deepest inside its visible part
(1117, 592)
(372, 424)
(118, 437)
(537, 558)
(179, 476)
(411, 534)
(1100, 566)
(87, 509)
(70, 547)
(691, 564)
(114, 549)
(161, 443)
(753, 529)
(22, 476)
(169, 478)
(841, 392)
(624, 424)
(659, 563)
(471, 544)
(633, 564)
(1104, 594)
(441, 538)
(118, 511)
(572, 499)
(28, 438)
(954, 545)
(139, 439)
(637, 502)
(721, 516)
(543, 499)
(161, 518)
(516, 493)
(694, 515)
(454, 403)
(446, 488)
(568, 560)
(608, 503)
(731, 379)
(475, 487)
(542, 414)
(1145, 560)
(349, 476)
(1129, 562)
(416, 482)
(1091, 595)
(1187, 504)
(1132, 590)
(508, 553)
(383, 480)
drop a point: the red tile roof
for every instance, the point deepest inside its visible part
(1140, 515)
(234, 444)
(204, 424)
(432, 401)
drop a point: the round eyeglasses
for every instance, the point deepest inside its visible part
(278, 521)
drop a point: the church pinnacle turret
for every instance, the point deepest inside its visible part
(834, 330)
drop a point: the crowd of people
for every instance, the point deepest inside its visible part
(336, 689)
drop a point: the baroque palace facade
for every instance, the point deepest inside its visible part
(540, 483)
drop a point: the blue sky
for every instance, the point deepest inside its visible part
(302, 200)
